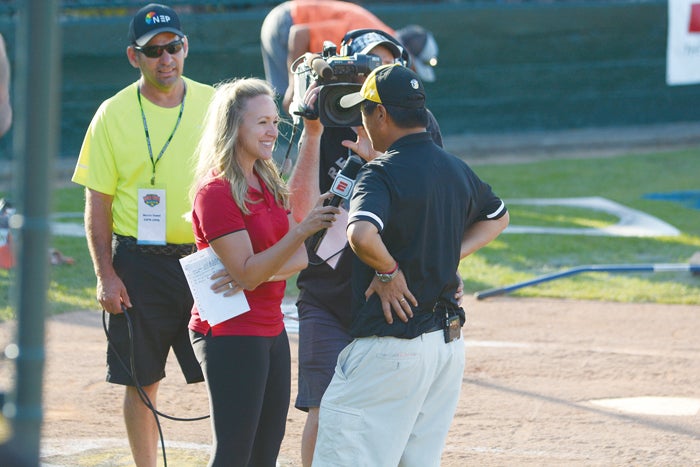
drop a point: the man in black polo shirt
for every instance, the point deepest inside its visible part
(416, 211)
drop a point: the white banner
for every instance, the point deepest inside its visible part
(683, 49)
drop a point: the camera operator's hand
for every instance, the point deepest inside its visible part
(363, 146)
(312, 126)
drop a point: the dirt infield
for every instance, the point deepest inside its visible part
(534, 369)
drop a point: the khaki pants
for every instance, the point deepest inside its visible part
(391, 402)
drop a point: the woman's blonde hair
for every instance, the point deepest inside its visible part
(216, 151)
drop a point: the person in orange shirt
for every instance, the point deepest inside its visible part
(295, 27)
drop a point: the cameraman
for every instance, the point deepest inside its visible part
(295, 27)
(324, 290)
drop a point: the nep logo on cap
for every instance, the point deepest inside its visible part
(151, 20)
(154, 18)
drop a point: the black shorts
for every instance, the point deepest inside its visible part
(162, 306)
(321, 338)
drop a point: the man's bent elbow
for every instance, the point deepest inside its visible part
(505, 221)
(359, 236)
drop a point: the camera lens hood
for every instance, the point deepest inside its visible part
(329, 110)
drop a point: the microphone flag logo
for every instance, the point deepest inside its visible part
(342, 186)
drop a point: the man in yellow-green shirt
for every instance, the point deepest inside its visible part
(136, 164)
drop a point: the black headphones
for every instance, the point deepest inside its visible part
(355, 33)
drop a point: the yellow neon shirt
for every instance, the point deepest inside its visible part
(114, 156)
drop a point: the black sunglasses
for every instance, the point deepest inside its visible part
(155, 51)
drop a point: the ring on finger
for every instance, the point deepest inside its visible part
(402, 300)
(230, 285)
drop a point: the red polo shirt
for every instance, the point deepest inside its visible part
(216, 214)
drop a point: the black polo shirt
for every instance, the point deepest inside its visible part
(422, 200)
(320, 284)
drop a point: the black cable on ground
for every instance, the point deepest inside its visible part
(131, 371)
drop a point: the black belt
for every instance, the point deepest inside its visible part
(177, 250)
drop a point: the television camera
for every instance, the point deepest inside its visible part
(336, 75)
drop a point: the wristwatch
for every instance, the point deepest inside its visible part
(387, 276)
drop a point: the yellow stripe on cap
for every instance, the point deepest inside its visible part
(369, 89)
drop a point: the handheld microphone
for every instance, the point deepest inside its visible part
(342, 189)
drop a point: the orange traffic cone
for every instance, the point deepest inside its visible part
(7, 257)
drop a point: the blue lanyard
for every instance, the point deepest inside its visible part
(148, 137)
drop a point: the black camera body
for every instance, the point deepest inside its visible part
(336, 76)
(347, 69)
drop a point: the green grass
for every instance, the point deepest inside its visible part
(514, 258)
